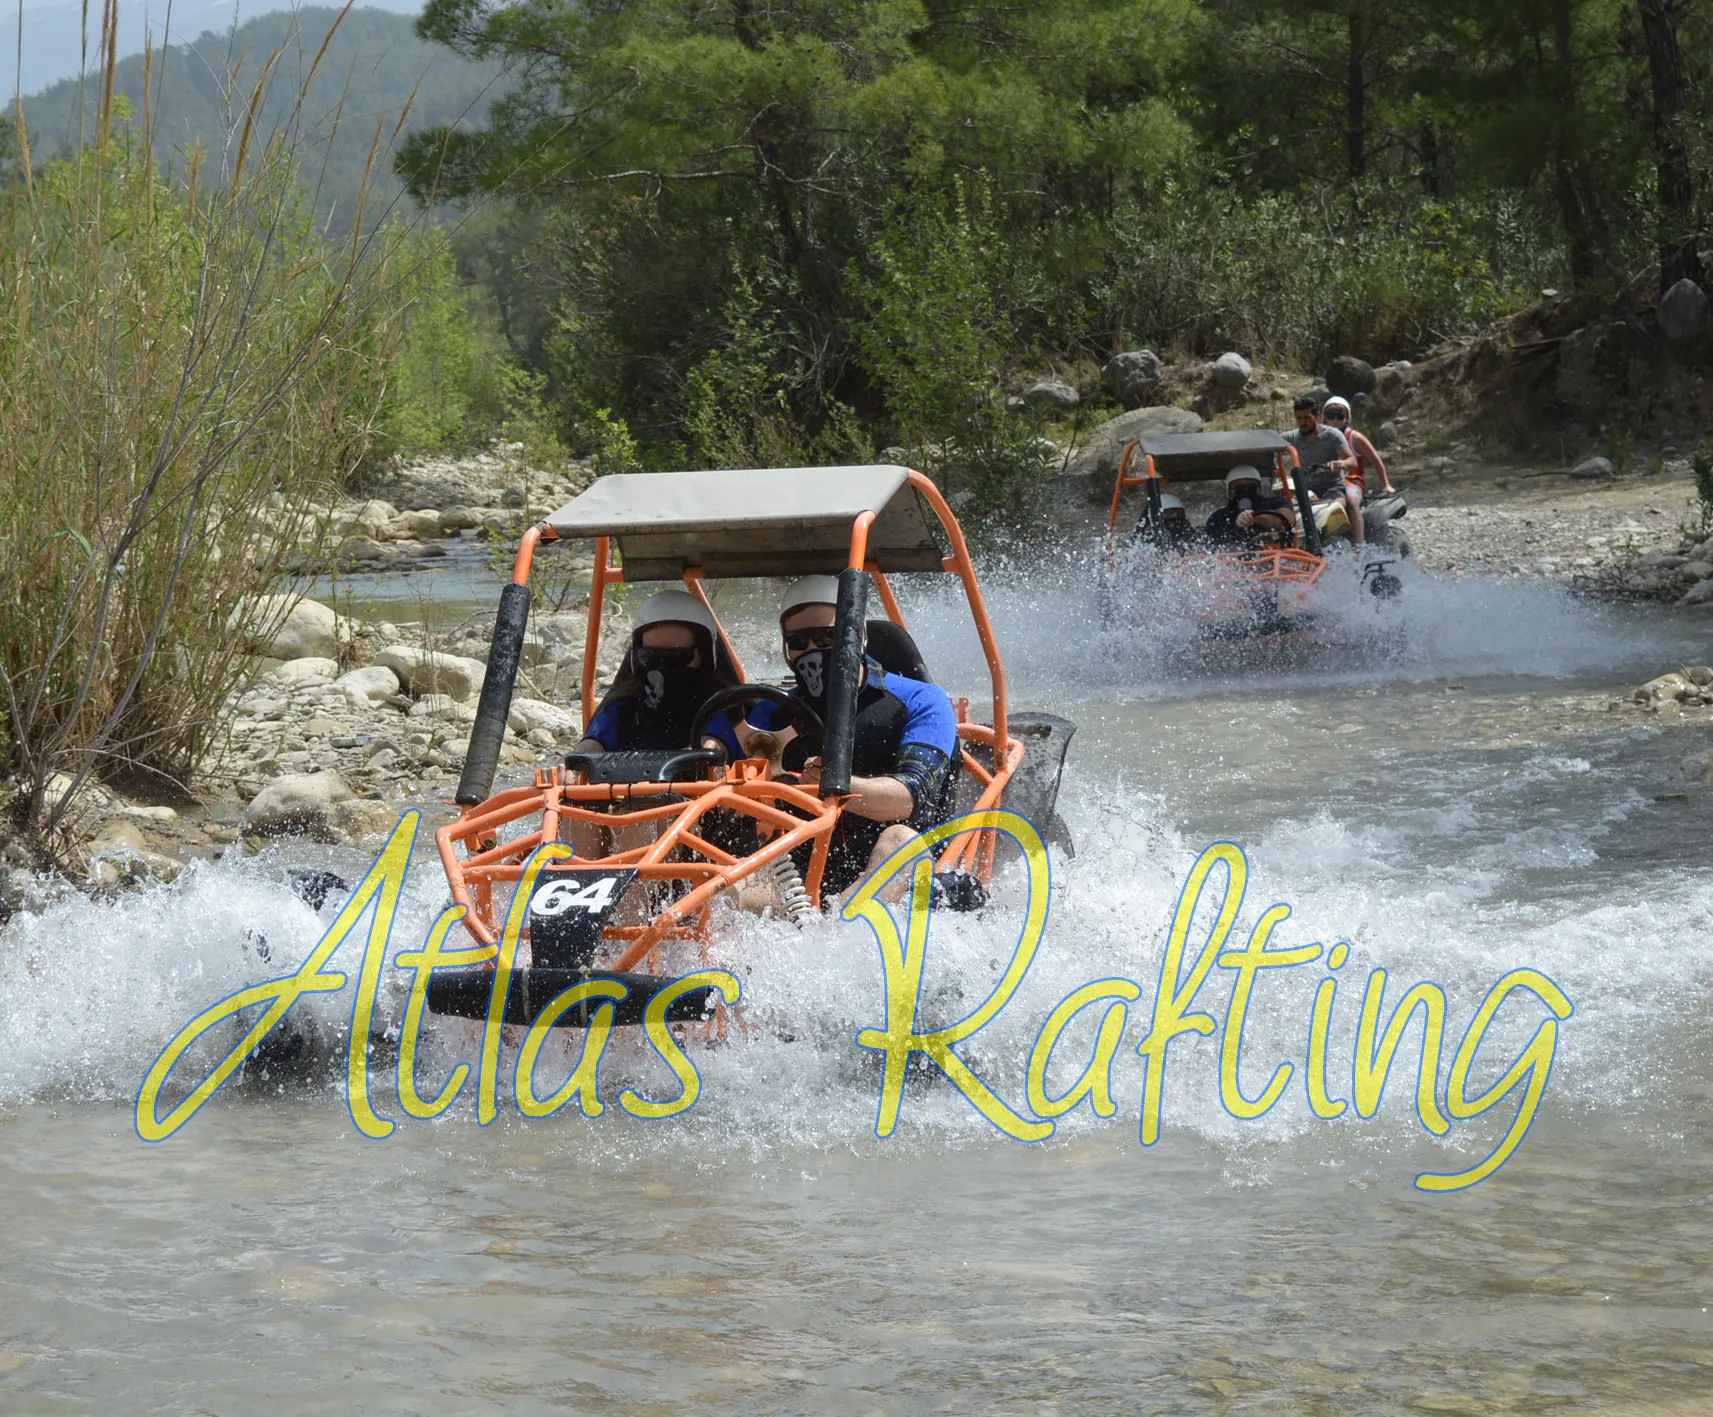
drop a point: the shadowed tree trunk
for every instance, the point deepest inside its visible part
(1679, 256)
(1584, 224)
(1356, 101)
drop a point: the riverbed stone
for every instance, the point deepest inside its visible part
(1594, 469)
(1051, 396)
(459, 519)
(307, 631)
(444, 706)
(373, 683)
(361, 821)
(1668, 687)
(422, 671)
(1095, 464)
(296, 673)
(297, 802)
(1699, 594)
(527, 715)
(1231, 370)
(1682, 312)
(1130, 377)
(1348, 376)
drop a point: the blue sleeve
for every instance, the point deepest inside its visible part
(721, 727)
(930, 719)
(766, 716)
(604, 728)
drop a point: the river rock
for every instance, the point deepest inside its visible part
(308, 630)
(1095, 464)
(1666, 688)
(1231, 370)
(373, 683)
(1594, 469)
(1387, 435)
(419, 525)
(361, 820)
(459, 519)
(120, 850)
(364, 549)
(298, 802)
(1348, 376)
(423, 671)
(443, 706)
(295, 673)
(1699, 594)
(374, 519)
(528, 715)
(118, 838)
(1682, 312)
(1130, 377)
(1051, 396)
(1390, 385)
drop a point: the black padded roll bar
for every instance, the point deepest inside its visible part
(488, 732)
(844, 672)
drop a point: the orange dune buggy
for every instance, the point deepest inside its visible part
(674, 830)
(1230, 592)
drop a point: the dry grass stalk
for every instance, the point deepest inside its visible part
(186, 373)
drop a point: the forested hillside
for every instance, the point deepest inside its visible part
(374, 66)
(761, 231)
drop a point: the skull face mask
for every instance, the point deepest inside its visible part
(810, 668)
(667, 675)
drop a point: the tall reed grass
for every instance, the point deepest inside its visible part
(186, 369)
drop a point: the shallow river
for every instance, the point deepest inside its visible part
(1455, 805)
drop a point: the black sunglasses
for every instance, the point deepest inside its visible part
(815, 637)
(662, 657)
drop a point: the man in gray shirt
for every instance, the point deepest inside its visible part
(1326, 460)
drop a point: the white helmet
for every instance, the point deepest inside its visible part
(1169, 503)
(810, 590)
(674, 607)
(1336, 402)
(1242, 473)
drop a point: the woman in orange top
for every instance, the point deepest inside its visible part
(1336, 412)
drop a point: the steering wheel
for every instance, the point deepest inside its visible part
(803, 718)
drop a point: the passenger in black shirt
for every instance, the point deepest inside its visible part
(1249, 514)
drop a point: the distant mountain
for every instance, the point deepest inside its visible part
(375, 61)
(55, 42)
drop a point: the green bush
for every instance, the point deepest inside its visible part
(190, 370)
(1296, 277)
(739, 405)
(938, 326)
(453, 386)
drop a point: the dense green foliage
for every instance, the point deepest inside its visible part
(729, 231)
(375, 66)
(453, 385)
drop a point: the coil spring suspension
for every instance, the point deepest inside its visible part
(798, 906)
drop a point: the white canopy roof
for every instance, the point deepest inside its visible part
(754, 522)
(1188, 457)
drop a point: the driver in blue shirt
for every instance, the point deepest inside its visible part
(905, 741)
(675, 663)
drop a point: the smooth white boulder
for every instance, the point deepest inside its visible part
(298, 800)
(423, 671)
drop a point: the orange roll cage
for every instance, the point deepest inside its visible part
(786, 816)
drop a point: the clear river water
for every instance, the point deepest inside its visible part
(1451, 799)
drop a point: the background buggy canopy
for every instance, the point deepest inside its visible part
(756, 522)
(1193, 457)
